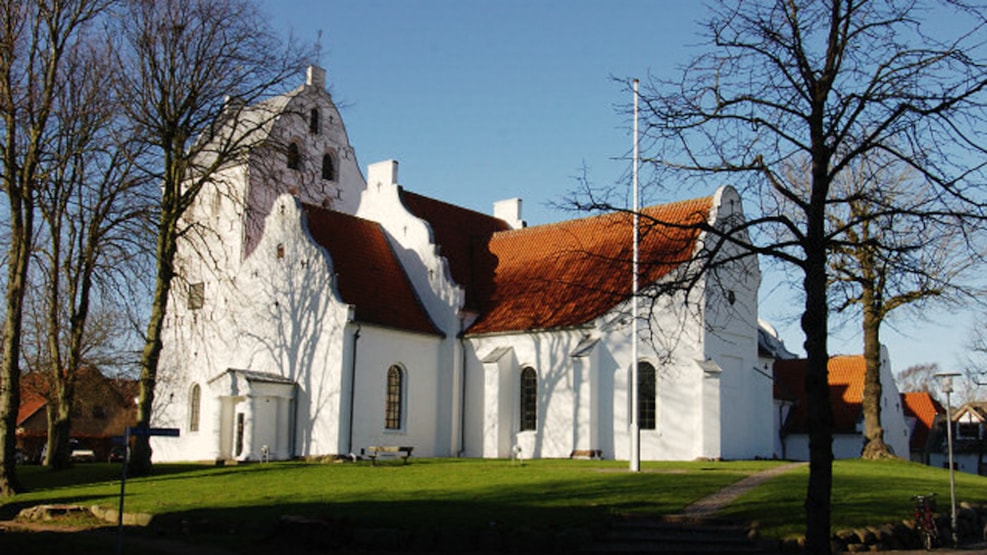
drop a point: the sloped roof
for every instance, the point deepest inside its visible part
(846, 389)
(921, 406)
(463, 236)
(569, 273)
(370, 277)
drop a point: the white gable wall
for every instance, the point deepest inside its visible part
(276, 315)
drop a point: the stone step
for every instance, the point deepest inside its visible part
(676, 535)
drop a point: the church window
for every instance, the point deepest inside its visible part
(646, 393)
(313, 121)
(194, 402)
(395, 379)
(294, 157)
(529, 399)
(328, 167)
(196, 295)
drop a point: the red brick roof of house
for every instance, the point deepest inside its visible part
(569, 273)
(921, 406)
(369, 275)
(846, 389)
(555, 275)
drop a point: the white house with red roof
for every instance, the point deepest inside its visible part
(846, 390)
(318, 313)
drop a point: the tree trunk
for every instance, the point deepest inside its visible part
(815, 326)
(140, 461)
(820, 418)
(874, 447)
(10, 374)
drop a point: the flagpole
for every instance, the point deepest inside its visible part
(635, 424)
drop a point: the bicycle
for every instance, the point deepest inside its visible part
(925, 520)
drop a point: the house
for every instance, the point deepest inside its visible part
(846, 388)
(102, 408)
(319, 312)
(969, 440)
(925, 419)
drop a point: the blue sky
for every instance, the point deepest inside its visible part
(481, 101)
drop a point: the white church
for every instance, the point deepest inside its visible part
(319, 312)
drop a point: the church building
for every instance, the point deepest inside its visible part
(318, 312)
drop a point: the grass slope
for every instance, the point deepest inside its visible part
(472, 493)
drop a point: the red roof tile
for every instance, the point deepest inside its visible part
(463, 236)
(567, 274)
(370, 277)
(921, 406)
(846, 389)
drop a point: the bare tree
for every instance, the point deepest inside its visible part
(180, 61)
(910, 246)
(34, 38)
(90, 213)
(830, 82)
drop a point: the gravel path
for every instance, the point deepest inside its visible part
(710, 505)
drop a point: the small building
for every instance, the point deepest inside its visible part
(969, 440)
(846, 388)
(925, 419)
(103, 407)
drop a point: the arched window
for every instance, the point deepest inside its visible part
(328, 167)
(395, 390)
(646, 392)
(294, 157)
(313, 121)
(194, 400)
(529, 399)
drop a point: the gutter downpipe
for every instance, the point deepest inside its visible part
(356, 337)
(462, 388)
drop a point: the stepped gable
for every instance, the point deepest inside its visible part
(369, 275)
(567, 274)
(921, 406)
(463, 236)
(846, 390)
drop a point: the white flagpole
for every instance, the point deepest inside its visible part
(635, 424)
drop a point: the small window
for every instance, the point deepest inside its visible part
(529, 399)
(328, 167)
(294, 157)
(646, 393)
(313, 121)
(194, 401)
(395, 379)
(196, 295)
(99, 412)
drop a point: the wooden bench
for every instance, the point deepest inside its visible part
(375, 451)
(592, 454)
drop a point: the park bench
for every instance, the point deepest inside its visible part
(592, 454)
(375, 451)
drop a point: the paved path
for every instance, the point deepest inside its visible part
(711, 504)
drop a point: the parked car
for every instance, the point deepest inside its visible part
(117, 454)
(81, 454)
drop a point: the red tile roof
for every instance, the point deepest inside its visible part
(569, 273)
(463, 236)
(921, 406)
(370, 277)
(846, 389)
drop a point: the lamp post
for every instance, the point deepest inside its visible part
(946, 379)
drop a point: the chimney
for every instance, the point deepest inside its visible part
(509, 210)
(316, 77)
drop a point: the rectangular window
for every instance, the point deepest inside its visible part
(196, 295)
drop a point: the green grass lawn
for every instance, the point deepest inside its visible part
(472, 493)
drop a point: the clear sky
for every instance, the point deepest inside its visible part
(486, 100)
